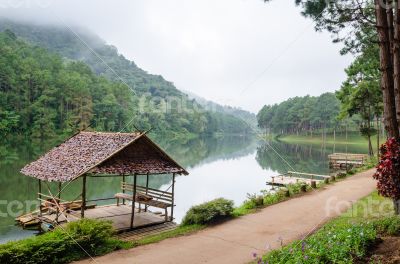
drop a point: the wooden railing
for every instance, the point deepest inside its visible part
(154, 193)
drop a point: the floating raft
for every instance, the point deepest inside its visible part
(34, 219)
(289, 178)
(284, 180)
(346, 160)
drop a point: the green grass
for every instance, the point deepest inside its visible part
(352, 139)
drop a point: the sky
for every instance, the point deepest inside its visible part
(243, 53)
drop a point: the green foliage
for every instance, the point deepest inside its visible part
(74, 96)
(8, 122)
(361, 93)
(209, 212)
(63, 245)
(336, 243)
(300, 114)
(267, 198)
(43, 96)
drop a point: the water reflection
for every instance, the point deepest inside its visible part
(227, 167)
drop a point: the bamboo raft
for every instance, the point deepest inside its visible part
(301, 177)
(346, 160)
(34, 219)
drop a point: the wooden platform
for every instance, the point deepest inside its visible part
(146, 231)
(345, 160)
(311, 176)
(119, 215)
(284, 180)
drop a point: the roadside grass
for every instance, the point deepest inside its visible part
(179, 231)
(344, 239)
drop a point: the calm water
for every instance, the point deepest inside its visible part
(229, 167)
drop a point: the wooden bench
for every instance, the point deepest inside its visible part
(146, 196)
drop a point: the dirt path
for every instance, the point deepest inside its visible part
(235, 241)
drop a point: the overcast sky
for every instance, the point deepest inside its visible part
(238, 52)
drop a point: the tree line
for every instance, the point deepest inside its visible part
(300, 114)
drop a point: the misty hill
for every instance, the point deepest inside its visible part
(248, 117)
(152, 108)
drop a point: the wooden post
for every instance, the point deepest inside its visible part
(313, 184)
(147, 189)
(123, 189)
(83, 206)
(59, 198)
(133, 200)
(173, 197)
(40, 197)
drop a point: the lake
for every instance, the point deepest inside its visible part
(229, 167)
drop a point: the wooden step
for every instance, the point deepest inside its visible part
(141, 233)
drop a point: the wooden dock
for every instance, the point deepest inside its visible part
(347, 160)
(311, 176)
(120, 216)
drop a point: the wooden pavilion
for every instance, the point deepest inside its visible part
(101, 154)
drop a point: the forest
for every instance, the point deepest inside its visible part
(51, 85)
(300, 114)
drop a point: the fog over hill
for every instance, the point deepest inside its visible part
(158, 104)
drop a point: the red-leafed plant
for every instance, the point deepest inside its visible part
(388, 172)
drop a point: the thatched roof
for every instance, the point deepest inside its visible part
(105, 153)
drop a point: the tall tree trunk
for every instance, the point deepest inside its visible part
(377, 137)
(396, 59)
(386, 70)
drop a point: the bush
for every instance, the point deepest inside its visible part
(388, 226)
(61, 245)
(209, 212)
(337, 243)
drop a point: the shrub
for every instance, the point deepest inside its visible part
(296, 188)
(388, 226)
(61, 245)
(209, 212)
(253, 201)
